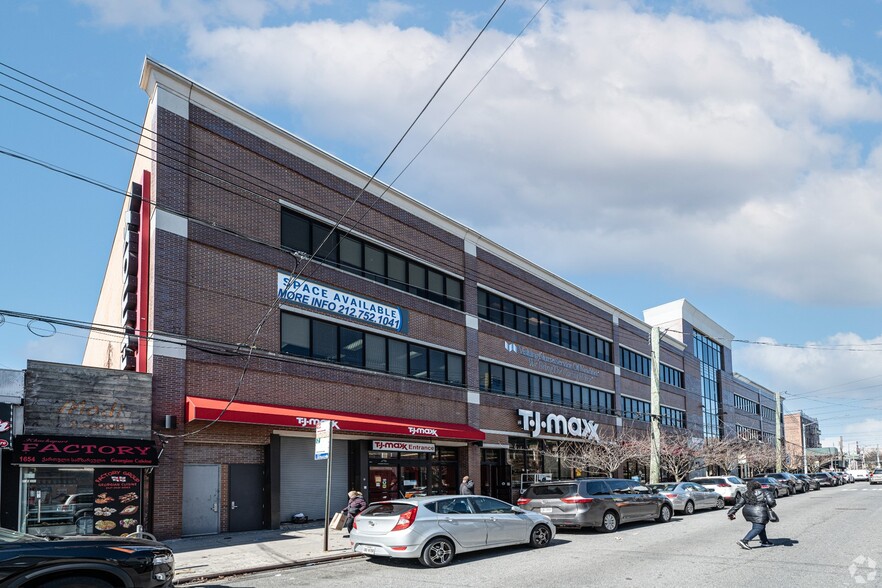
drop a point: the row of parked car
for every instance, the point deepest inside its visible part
(435, 528)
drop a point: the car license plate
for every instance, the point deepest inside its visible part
(545, 509)
(368, 549)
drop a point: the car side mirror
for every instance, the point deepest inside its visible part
(517, 510)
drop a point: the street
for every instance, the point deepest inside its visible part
(825, 538)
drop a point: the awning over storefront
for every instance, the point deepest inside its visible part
(288, 416)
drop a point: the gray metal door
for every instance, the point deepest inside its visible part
(201, 512)
(246, 492)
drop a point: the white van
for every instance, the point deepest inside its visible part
(859, 475)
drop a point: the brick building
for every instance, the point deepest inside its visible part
(436, 352)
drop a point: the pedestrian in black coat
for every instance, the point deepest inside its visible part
(757, 504)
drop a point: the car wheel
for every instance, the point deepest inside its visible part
(721, 503)
(437, 553)
(76, 582)
(664, 514)
(540, 536)
(610, 522)
(689, 508)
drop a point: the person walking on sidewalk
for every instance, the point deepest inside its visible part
(467, 486)
(356, 505)
(757, 504)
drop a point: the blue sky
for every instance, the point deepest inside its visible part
(723, 151)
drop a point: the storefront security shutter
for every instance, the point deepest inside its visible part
(303, 478)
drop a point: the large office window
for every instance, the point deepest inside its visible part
(514, 382)
(300, 233)
(641, 410)
(309, 337)
(710, 357)
(510, 314)
(636, 362)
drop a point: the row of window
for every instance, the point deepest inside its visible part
(747, 433)
(308, 337)
(746, 404)
(300, 233)
(520, 318)
(512, 382)
(640, 410)
(631, 360)
(767, 413)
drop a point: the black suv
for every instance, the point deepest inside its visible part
(601, 503)
(83, 562)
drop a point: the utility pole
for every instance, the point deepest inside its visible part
(655, 411)
(841, 453)
(804, 452)
(779, 459)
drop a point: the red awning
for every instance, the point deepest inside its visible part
(208, 409)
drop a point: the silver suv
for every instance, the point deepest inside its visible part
(601, 503)
(876, 476)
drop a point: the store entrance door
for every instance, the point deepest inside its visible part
(383, 482)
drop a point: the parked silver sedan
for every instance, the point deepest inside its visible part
(434, 528)
(689, 496)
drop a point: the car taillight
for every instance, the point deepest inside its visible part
(723, 485)
(523, 501)
(405, 520)
(671, 495)
(576, 500)
(355, 522)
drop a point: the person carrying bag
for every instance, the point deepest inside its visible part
(757, 504)
(356, 505)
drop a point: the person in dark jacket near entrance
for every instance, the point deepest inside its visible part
(757, 504)
(355, 505)
(467, 486)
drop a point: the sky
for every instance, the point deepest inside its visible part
(723, 151)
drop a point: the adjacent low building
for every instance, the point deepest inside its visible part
(267, 286)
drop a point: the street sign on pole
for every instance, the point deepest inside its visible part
(324, 437)
(322, 440)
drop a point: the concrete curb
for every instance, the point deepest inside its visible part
(294, 564)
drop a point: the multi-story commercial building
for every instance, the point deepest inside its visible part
(279, 287)
(801, 432)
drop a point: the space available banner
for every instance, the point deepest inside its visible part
(117, 509)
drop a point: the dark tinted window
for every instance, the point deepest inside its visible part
(551, 490)
(295, 232)
(595, 488)
(707, 481)
(451, 506)
(351, 347)
(295, 335)
(324, 341)
(619, 486)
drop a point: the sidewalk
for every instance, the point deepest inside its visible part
(213, 556)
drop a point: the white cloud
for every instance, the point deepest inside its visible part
(705, 150)
(387, 11)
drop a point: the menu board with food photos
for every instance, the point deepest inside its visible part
(117, 509)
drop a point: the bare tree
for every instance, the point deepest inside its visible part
(760, 456)
(724, 454)
(606, 455)
(679, 453)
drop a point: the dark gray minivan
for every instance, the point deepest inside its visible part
(601, 503)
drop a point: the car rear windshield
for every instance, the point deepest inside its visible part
(387, 509)
(551, 490)
(877, 471)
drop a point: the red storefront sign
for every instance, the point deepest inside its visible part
(285, 416)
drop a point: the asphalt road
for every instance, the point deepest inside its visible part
(831, 537)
